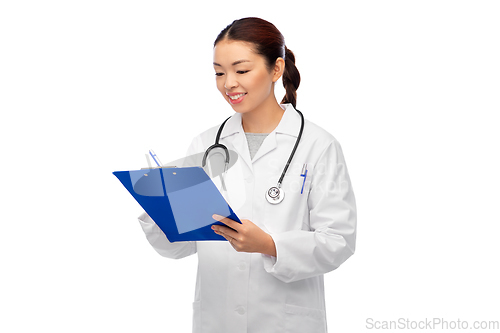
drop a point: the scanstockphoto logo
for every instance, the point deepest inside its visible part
(431, 324)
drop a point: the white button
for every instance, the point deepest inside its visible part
(249, 180)
(240, 310)
(242, 266)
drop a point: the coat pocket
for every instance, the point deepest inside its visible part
(307, 320)
(197, 317)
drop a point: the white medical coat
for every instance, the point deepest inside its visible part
(314, 232)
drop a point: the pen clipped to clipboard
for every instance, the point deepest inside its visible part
(157, 161)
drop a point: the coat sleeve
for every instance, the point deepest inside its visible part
(155, 235)
(332, 222)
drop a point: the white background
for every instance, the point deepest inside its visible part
(409, 88)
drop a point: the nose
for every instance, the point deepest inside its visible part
(230, 82)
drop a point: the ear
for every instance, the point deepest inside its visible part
(279, 68)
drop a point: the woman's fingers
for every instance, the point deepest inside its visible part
(245, 237)
(225, 231)
(227, 221)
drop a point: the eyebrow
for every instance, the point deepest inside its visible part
(234, 63)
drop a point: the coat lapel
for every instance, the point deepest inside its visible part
(233, 133)
(240, 144)
(289, 125)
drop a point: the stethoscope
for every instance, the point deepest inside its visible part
(275, 194)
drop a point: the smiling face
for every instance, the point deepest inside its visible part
(243, 78)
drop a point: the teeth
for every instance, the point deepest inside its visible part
(235, 96)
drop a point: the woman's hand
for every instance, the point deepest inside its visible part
(247, 238)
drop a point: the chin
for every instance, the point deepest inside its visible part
(239, 108)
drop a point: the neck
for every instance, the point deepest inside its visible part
(262, 120)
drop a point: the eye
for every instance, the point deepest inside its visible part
(242, 72)
(219, 74)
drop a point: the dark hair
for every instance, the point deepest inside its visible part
(269, 43)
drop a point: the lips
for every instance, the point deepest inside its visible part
(235, 98)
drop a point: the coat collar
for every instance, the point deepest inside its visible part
(289, 125)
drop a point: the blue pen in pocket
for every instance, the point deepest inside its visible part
(303, 174)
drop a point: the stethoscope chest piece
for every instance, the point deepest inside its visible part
(275, 195)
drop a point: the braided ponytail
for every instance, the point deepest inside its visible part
(291, 78)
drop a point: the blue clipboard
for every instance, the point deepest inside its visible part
(181, 201)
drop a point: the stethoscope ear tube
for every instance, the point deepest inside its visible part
(226, 152)
(226, 163)
(217, 145)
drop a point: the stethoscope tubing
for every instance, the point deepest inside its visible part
(219, 145)
(294, 149)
